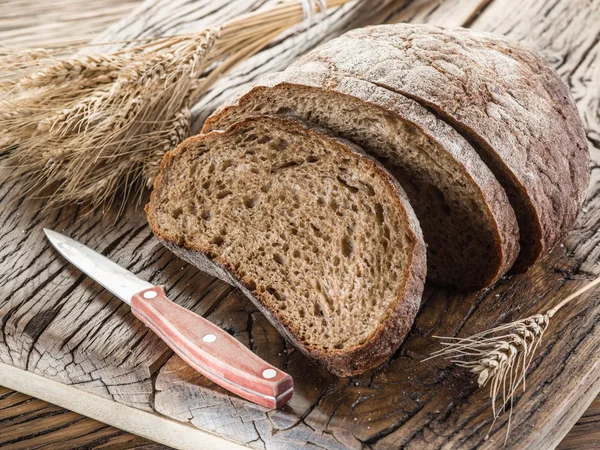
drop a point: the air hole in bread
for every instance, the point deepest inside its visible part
(344, 183)
(279, 144)
(347, 246)
(287, 164)
(217, 240)
(177, 212)
(369, 189)
(316, 230)
(379, 212)
(275, 293)
(249, 202)
(222, 194)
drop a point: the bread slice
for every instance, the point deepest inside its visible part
(505, 99)
(320, 237)
(467, 221)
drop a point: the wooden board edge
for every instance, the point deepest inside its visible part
(156, 428)
(575, 406)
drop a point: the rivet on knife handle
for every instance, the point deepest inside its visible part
(212, 351)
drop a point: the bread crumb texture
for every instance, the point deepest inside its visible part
(316, 232)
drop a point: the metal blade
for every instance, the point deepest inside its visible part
(113, 277)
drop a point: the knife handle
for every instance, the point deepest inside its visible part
(211, 351)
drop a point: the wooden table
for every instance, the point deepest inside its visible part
(26, 422)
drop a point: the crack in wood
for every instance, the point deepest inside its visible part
(41, 321)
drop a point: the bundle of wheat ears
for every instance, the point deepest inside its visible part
(501, 356)
(78, 125)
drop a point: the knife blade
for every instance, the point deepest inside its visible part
(121, 282)
(207, 348)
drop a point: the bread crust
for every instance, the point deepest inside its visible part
(505, 99)
(495, 202)
(391, 331)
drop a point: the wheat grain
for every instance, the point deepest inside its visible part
(83, 126)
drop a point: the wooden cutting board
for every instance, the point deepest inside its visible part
(66, 340)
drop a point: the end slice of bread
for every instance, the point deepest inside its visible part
(319, 236)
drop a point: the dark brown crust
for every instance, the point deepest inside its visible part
(493, 196)
(503, 97)
(390, 333)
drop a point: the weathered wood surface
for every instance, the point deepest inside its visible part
(27, 423)
(586, 432)
(24, 23)
(60, 324)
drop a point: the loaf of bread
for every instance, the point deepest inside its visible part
(503, 98)
(468, 224)
(283, 203)
(319, 236)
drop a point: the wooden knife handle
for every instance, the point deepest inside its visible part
(211, 351)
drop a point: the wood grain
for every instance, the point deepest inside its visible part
(59, 324)
(586, 432)
(27, 423)
(49, 23)
(147, 424)
(50, 426)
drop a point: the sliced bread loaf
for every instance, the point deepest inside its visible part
(319, 236)
(503, 98)
(468, 224)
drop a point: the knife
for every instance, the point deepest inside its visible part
(204, 346)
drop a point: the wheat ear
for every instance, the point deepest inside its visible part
(79, 125)
(501, 356)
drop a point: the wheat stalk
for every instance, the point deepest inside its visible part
(501, 356)
(83, 125)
